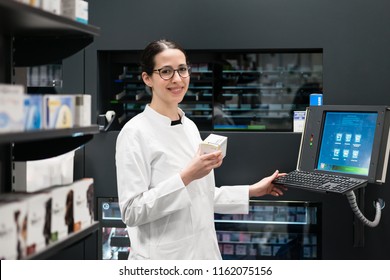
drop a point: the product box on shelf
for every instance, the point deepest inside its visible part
(61, 224)
(83, 110)
(59, 111)
(35, 175)
(33, 112)
(83, 203)
(52, 6)
(35, 221)
(13, 229)
(38, 222)
(33, 3)
(75, 9)
(11, 108)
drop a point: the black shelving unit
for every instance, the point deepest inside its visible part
(53, 248)
(39, 37)
(30, 36)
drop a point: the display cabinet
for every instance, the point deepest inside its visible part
(251, 90)
(271, 230)
(113, 240)
(31, 36)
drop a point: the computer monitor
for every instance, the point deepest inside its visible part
(346, 140)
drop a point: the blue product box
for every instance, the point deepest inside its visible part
(316, 99)
(33, 112)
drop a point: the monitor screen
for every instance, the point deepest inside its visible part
(347, 142)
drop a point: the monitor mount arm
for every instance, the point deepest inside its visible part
(379, 204)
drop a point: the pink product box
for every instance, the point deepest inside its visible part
(228, 249)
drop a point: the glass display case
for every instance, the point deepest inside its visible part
(251, 90)
(113, 240)
(271, 230)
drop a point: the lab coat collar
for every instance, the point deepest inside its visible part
(161, 119)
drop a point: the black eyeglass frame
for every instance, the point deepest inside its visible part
(173, 71)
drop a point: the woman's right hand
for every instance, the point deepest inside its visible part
(200, 166)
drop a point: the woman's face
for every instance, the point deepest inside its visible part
(168, 92)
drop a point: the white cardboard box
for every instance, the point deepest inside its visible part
(38, 222)
(214, 143)
(35, 175)
(75, 9)
(11, 108)
(52, 6)
(13, 229)
(299, 121)
(60, 224)
(83, 110)
(83, 203)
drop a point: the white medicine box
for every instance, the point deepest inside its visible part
(38, 222)
(214, 143)
(11, 108)
(82, 110)
(35, 175)
(61, 224)
(13, 229)
(83, 203)
(75, 9)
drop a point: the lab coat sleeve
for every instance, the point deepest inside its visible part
(231, 199)
(140, 204)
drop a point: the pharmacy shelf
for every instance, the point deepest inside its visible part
(71, 239)
(39, 144)
(45, 134)
(41, 37)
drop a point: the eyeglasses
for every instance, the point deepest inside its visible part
(167, 72)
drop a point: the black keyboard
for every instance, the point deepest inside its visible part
(320, 182)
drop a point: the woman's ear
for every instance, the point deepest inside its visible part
(146, 79)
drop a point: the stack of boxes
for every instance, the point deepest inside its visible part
(31, 221)
(46, 204)
(74, 9)
(23, 112)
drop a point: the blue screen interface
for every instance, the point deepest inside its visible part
(347, 142)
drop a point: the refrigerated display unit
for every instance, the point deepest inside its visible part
(114, 243)
(271, 230)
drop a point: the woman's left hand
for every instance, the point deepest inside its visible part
(265, 186)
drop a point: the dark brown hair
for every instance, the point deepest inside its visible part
(153, 49)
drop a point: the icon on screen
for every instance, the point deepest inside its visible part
(358, 138)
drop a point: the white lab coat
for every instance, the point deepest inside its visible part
(164, 218)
